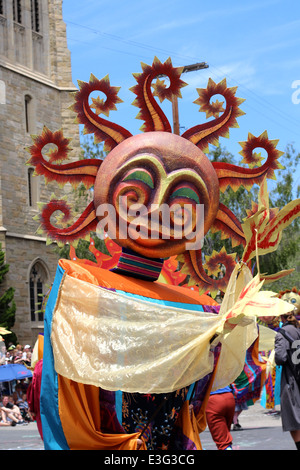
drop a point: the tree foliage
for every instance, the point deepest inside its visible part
(284, 190)
(288, 253)
(80, 197)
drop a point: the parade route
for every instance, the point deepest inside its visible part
(20, 438)
(260, 431)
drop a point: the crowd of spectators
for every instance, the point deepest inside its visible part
(15, 354)
(14, 409)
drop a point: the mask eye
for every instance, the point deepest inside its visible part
(293, 301)
(185, 192)
(140, 175)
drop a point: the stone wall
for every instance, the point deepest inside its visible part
(45, 92)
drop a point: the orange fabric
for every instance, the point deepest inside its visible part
(40, 347)
(79, 411)
(153, 290)
(188, 423)
(79, 407)
(263, 365)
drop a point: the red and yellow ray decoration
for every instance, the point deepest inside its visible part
(150, 112)
(170, 273)
(209, 133)
(102, 260)
(81, 171)
(252, 302)
(193, 266)
(235, 176)
(265, 226)
(86, 223)
(229, 225)
(104, 131)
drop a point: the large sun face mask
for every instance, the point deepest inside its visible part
(168, 177)
(153, 170)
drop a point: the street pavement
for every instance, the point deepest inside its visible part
(20, 438)
(260, 431)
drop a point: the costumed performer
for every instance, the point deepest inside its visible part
(287, 341)
(127, 352)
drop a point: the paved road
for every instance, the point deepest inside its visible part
(20, 438)
(260, 432)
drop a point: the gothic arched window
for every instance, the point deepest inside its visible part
(37, 289)
(29, 109)
(33, 189)
(17, 11)
(35, 16)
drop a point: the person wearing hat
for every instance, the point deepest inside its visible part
(26, 349)
(286, 339)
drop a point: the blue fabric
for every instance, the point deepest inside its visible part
(118, 401)
(276, 391)
(53, 435)
(190, 391)
(167, 303)
(222, 390)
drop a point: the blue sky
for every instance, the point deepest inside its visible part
(254, 44)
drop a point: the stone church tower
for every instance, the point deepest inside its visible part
(35, 90)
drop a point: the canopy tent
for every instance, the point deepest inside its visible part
(10, 372)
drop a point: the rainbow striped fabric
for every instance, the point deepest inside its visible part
(132, 264)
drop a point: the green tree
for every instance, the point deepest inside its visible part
(7, 303)
(89, 150)
(237, 201)
(287, 256)
(80, 196)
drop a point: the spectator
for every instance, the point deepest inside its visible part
(13, 351)
(18, 357)
(24, 409)
(239, 407)
(289, 388)
(24, 383)
(26, 350)
(27, 360)
(10, 411)
(15, 398)
(18, 393)
(10, 353)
